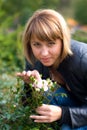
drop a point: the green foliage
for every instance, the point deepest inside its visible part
(80, 36)
(12, 6)
(50, 4)
(13, 114)
(24, 9)
(13, 16)
(11, 51)
(80, 12)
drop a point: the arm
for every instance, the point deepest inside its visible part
(74, 117)
(78, 116)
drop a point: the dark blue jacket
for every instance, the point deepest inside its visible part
(74, 71)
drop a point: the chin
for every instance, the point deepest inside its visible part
(48, 65)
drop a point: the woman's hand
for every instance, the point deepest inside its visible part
(47, 114)
(25, 75)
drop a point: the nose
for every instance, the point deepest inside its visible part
(44, 51)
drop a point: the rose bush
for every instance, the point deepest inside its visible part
(14, 115)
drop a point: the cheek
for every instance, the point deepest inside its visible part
(57, 51)
(35, 52)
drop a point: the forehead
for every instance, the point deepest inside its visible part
(47, 34)
(45, 28)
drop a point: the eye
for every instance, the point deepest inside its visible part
(37, 44)
(51, 43)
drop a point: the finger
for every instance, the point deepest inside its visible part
(24, 73)
(36, 117)
(40, 119)
(18, 74)
(36, 74)
(43, 113)
(23, 76)
(28, 73)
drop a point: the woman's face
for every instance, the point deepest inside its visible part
(47, 53)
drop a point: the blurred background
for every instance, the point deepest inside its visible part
(13, 17)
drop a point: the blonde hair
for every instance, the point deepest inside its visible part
(46, 25)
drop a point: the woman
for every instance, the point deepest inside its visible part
(50, 52)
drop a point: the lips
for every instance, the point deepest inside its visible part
(45, 60)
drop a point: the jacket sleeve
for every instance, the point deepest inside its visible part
(74, 117)
(78, 116)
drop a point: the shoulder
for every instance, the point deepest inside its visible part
(78, 48)
(79, 44)
(77, 61)
(80, 54)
